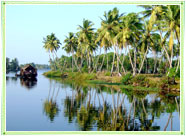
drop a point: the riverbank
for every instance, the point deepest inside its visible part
(142, 82)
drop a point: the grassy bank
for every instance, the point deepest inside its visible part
(142, 82)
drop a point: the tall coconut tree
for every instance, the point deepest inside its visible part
(108, 28)
(51, 44)
(129, 33)
(172, 18)
(70, 46)
(104, 43)
(86, 35)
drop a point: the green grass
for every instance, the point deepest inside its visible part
(52, 74)
(102, 82)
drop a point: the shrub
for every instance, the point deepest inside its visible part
(171, 72)
(85, 69)
(140, 80)
(107, 73)
(90, 76)
(126, 79)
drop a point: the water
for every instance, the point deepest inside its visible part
(53, 105)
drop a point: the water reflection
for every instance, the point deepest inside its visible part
(51, 108)
(26, 83)
(111, 108)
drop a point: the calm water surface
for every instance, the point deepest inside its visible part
(53, 105)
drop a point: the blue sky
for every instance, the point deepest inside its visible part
(27, 25)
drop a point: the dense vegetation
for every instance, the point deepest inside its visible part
(12, 65)
(145, 42)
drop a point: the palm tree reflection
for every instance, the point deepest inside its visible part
(51, 108)
(109, 108)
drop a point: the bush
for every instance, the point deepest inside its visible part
(107, 73)
(126, 79)
(90, 76)
(172, 73)
(140, 80)
(85, 69)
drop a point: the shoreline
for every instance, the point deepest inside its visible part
(142, 82)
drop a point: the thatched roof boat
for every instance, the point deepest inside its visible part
(28, 71)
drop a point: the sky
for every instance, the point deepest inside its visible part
(27, 25)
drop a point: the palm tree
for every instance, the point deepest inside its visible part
(104, 43)
(86, 36)
(154, 12)
(170, 15)
(51, 44)
(71, 46)
(172, 18)
(108, 29)
(129, 34)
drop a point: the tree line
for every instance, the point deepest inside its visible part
(144, 42)
(14, 66)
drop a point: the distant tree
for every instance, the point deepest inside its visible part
(7, 65)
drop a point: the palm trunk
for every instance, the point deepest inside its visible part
(96, 63)
(119, 61)
(155, 62)
(169, 60)
(102, 62)
(72, 59)
(89, 67)
(134, 73)
(77, 65)
(54, 61)
(143, 60)
(165, 50)
(131, 60)
(123, 58)
(113, 64)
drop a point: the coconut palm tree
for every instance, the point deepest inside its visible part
(129, 33)
(71, 46)
(170, 15)
(172, 18)
(108, 29)
(51, 44)
(86, 36)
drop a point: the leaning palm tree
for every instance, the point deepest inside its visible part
(153, 12)
(51, 44)
(172, 18)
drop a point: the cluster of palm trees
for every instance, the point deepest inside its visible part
(156, 30)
